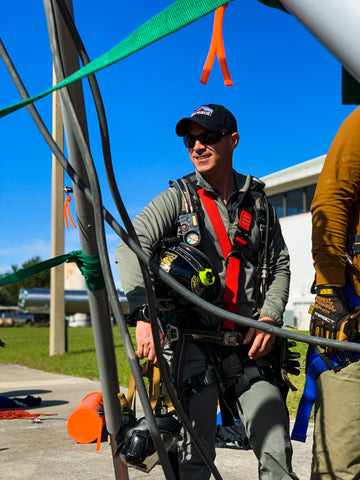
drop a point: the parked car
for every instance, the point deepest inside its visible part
(10, 316)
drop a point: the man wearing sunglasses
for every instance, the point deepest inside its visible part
(239, 370)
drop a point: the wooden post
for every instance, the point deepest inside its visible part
(63, 49)
(57, 342)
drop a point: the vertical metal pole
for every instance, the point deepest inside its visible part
(57, 302)
(98, 300)
(335, 24)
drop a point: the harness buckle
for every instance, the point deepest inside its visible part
(172, 333)
(230, 338)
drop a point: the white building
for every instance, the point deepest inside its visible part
(291, 191)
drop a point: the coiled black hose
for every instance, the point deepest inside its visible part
(148, 261)
(128, 225)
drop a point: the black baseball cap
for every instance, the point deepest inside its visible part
(212, 117)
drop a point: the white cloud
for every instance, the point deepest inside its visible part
(19, 254)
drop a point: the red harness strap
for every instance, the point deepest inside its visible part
(230, 297)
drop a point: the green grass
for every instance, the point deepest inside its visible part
(29, 345)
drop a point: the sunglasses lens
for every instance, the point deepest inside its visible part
(211, 138)
(205, 138)
(189, 141)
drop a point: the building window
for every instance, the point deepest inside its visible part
(278, 204)
(293, 202)
(310, 192)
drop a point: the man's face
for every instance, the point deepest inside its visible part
(210, 160)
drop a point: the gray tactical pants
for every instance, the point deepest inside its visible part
(262, 412)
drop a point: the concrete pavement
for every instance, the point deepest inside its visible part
(45, 451)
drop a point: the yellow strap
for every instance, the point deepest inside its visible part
(154, 385)
(128, 403)
(123, 403)
(131, 391)
(156, 390)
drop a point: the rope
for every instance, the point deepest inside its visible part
(89, 266)
(178, 15)
(21, 414)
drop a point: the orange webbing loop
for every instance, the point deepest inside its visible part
(217, 47)
(67, 212)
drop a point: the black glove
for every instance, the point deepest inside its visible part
(332, 316)
(290, 362)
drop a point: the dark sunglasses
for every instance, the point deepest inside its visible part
(205, 138)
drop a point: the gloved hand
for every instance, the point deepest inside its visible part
(332, 316)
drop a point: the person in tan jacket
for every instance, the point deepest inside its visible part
(335, 239)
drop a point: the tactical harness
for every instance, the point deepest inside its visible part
(190, 219)
(189, 230)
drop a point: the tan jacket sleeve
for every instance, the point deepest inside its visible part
(336, 205)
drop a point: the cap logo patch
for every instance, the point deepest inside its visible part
(202, 111)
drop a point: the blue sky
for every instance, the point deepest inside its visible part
(286, 97)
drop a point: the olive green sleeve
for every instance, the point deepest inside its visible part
(153, 223)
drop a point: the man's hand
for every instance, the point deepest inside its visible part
(145, 342)
(263, 341)
(332, 316)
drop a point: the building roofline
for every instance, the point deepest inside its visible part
(297, 176)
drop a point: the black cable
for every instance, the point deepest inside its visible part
(150, 262)
(146, 258)
(100, 233)
(128, 346)
(129, 226)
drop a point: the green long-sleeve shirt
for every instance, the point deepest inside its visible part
(159, 218)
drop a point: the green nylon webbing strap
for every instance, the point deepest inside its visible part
(172, 19)
(88, 264)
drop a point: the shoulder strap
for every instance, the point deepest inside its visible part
(262, 212)
(187, 205)
(189, 218)
(231, 290)
(190, 182)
